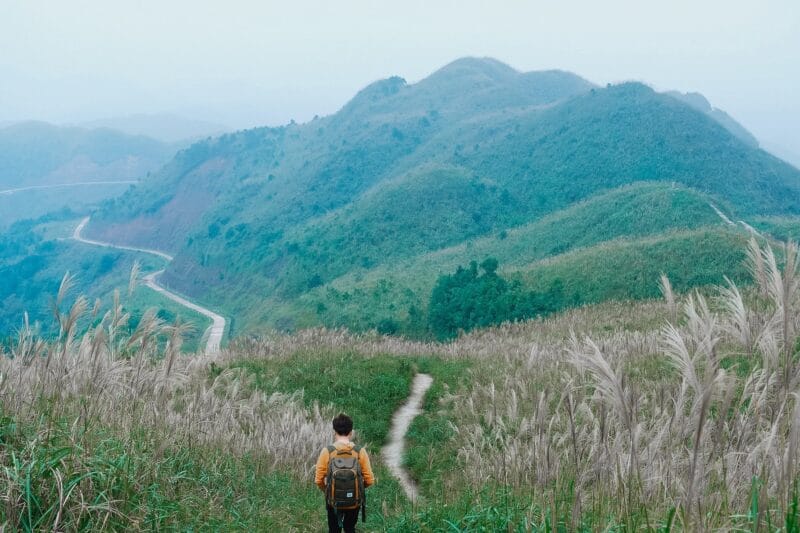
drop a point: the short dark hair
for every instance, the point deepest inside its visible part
(342, 424)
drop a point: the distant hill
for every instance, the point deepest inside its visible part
(165, 127)
(267, 222)
(37, 153)
(699, 102)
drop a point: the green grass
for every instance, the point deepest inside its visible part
(187, 488)
(619, 269)
(780, 228)
(193, 487)
(370, 389)
(200, 489)
(630, 269)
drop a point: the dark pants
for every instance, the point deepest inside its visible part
(350, 519)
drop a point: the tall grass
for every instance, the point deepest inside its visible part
(62, 401)
(712, 434)
(624, 416)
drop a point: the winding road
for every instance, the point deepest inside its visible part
(217, 328)
(62, 185)
(401, 421)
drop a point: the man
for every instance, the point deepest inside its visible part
(344, 447)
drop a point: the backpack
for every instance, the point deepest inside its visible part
(345, 487)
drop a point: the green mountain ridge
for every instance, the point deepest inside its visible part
(261, 218)
(635, 214)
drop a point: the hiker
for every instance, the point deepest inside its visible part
(343, 472)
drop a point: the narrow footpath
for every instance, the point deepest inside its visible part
(730, 222)
(393, 452)
(217, 328)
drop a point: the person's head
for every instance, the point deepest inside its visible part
(343, 425)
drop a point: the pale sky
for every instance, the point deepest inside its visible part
(258, 62)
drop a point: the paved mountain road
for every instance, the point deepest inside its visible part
(8, 192)
(214, 333)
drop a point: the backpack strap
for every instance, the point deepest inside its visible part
(358, 449)
(331, 448)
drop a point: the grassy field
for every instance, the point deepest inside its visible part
(671, 414)
(622, 268)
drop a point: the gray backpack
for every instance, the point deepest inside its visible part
(345, 487)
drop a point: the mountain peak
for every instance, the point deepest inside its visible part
(485, 67)
(375, 92)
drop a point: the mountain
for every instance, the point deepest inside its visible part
(37, 153)
(699, 102)
(262, 220)
(166, 127)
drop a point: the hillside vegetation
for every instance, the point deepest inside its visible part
(678, 415)
(474, 157)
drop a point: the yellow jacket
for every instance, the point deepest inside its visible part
(324, 458)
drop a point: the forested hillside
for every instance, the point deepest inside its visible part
(298, 225)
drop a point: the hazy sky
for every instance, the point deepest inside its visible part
(255, 62)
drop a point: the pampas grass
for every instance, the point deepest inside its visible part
(129, 383)
(694, 437)
(626, 415)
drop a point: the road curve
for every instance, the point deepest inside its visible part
(217, 328)
(62, 185)
(401, 421)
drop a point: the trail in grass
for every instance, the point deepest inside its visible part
(730, 222)
(721, 215)
(401, 421)
(217, 328)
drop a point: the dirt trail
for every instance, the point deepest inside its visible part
(730, 222)
(721, 215)
(401, 421)
(217, 328)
